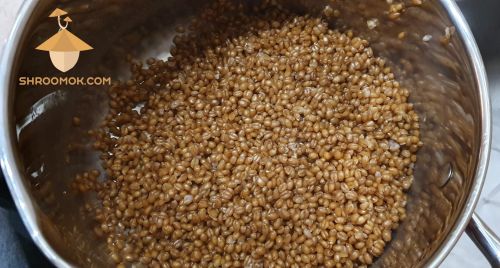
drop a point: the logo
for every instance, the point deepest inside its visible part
(64, 47)
(64, 50)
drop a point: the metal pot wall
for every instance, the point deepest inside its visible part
(41, 152)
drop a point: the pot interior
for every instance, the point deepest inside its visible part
(51, 150)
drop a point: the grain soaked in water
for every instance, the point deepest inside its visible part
(266, 140)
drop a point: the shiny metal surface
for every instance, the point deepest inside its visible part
(41, 152)
(485, 240)
(482, 16)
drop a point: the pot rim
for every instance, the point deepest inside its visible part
(480, 77)
(9, 160)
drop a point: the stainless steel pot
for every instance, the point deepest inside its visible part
(41, 151)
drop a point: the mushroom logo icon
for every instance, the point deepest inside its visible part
(64, 47)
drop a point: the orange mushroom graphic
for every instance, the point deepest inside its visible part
(63, 47)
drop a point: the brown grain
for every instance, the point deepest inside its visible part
(267, 138)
